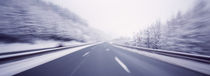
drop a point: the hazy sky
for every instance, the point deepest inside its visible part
(124, 17)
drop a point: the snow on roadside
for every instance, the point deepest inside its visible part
(14, 47)
(193, 65)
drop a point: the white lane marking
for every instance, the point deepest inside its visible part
(12, 68)
(189, 64)
(85, 54)
(107, 49)
(122, 64)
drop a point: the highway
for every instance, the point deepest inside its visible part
(106, 60)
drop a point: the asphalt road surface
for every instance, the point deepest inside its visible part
(106, 60)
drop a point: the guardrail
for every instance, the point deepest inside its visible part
(194, 57)
(14, 56)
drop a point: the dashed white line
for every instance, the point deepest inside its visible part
(122, 64)
(85, 54)
(92, 48)
(107, 49)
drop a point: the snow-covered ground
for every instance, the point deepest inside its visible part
(14, 47)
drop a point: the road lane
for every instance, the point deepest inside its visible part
(100, 63)
(103, 60)
(60, 67)
(146, 66)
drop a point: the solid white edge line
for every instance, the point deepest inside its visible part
(32, 52)
(16, 67)
(122, 64)
(193, 65)
(85, 54)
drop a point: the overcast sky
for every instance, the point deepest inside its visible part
(124, 17)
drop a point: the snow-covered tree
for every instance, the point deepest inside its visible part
(187, 32)
(26, 20)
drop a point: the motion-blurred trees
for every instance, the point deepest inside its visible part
(187, 32)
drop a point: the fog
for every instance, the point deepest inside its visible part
(124, 17)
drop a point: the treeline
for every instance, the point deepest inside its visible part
(187, 32)
(28, 20)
